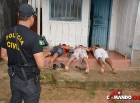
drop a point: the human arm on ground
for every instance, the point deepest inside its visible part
(85, 48)
(65, 47)
(90, 50)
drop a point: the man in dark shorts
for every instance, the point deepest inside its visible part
(24, 76)
(55, 52)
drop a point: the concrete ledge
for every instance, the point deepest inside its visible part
(126, 78)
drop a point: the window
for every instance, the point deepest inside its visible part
(66, 10)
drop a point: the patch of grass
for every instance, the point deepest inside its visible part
(53, 85)
(49, 76)
(42, 77)
(92, 92)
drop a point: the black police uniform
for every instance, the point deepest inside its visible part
(29, 43)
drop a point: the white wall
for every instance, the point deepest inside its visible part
(34, 3)
(125, 26)
(113, 25)
(135, 57)
(136, 41)
(70, 33)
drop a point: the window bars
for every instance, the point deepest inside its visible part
(66, 10)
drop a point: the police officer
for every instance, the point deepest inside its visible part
(29, 43)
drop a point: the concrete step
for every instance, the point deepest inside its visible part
(126, 78)
(117, 59)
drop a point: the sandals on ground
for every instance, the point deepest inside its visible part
(62, 65)
(55, 66)
(80, 68)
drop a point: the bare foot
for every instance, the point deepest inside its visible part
(87, 70)
(66, 68)
(114, 71)
(102, 70)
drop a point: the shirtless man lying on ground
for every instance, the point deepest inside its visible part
(102, 57)
(79, 52)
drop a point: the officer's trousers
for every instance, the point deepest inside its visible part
(29, 93)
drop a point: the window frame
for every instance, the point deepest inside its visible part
(70, 20)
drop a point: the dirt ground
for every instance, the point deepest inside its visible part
(51, 94)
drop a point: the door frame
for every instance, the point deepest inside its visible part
(92, 25)
(109, 23)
